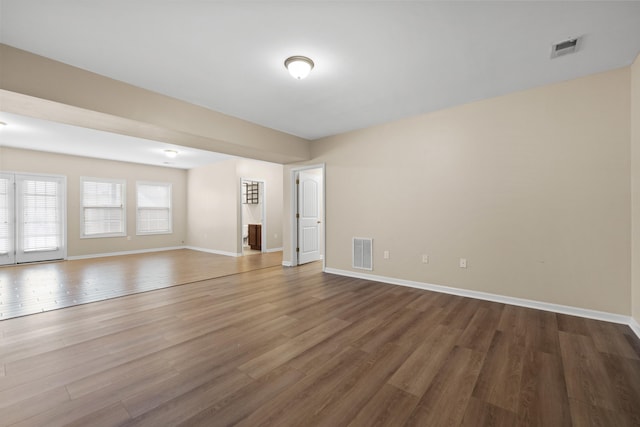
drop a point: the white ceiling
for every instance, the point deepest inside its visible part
(41, 135)
(375, 61)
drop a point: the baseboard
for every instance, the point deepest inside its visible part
(274, 250)
(139, 251)
(635, 326)
(556, 308)
(213, 251)
(287, 264)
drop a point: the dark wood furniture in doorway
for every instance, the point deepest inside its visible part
(255, 236)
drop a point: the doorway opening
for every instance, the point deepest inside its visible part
(308, 214)
(253, 216)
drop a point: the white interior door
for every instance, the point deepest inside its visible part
(309, 217)
(40, 218)
(7, 219)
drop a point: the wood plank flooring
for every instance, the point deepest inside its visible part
(298, 347)
(35, 288)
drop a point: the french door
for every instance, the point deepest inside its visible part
(32, 218)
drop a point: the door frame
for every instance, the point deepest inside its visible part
(10, 257)
(263, 214)
(293, 262)
(63, 213)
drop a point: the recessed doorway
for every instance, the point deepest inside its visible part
(253, 213)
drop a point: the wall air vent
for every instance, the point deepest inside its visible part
(363, 253)
(565, 47)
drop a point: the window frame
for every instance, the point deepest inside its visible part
(168, 185)
(123, 207)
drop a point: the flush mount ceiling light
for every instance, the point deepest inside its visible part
(299, 66)
(171, 153)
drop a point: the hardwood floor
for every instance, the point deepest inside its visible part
(34, 288)
(298, 347)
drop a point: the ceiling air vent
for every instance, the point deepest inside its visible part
(565, 47)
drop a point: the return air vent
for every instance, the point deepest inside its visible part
(363, 253)
(565, 47)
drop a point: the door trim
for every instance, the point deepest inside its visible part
(63, 214)
(10, 257)
(293, 261)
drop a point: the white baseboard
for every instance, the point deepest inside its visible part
(213, 251)
(556, 308)
(287, 264)
(635, 326)
(274, 250)
(139, 251)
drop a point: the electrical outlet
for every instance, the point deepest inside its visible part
(463, 263)
(425, 259)
(386, 254)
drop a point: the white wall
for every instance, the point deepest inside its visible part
(532, 188)
(251, 213)
(213, 207)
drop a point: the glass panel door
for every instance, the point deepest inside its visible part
(40, 231)
(7, 223)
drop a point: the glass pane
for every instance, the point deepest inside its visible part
(153, 221)
(100, 193)
(4, 216)
(41, 216)
(154, 195)
(103, 221)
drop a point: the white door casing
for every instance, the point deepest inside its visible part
(7, 219)
(32, 218)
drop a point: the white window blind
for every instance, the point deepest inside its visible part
(103, 207)
(4, 215)
(154, 208)
(41, 216)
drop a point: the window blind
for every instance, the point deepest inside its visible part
(41, 216)
(154, 208)
(103, 207)
(4, 216)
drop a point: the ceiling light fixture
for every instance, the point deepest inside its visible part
(299, 66)
(171, 153)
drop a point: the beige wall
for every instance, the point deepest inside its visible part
(214, 198)
(15, 160)
(532, 188)
(213, 207)
(40, 87)
(635, 183)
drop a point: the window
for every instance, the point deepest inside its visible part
(103, 207)
(154, 208)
